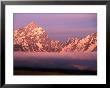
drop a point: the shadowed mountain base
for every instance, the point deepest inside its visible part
(42, 71)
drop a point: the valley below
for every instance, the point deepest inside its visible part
(49, 63)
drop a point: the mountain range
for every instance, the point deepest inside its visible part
(34, 38)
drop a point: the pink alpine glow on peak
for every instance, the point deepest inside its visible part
(32, 38)
(31, 25)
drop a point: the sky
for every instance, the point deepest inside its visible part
(60, 26)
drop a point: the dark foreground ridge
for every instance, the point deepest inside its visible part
(49, 71)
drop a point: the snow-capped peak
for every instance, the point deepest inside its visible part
(35, 38)
(31, 25)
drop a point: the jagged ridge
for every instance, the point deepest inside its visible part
(34, 38)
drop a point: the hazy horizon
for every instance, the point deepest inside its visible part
(60, 26)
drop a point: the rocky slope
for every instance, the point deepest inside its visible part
(30, 38)
(87, 44)
(34, 38)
